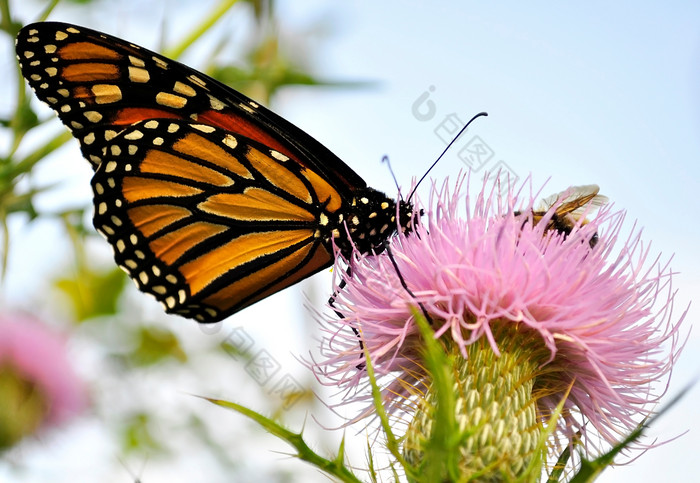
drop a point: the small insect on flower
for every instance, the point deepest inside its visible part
(573, 205)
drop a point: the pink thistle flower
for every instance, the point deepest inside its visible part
(600, 318)
(39, 387)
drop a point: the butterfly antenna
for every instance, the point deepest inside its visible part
(443, 153)
(385, 159)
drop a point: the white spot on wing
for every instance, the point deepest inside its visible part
(170, 302)
(215, 103)
(278, 156)
(230, 141)
(197, 80)
(170, 100)
(92, 116)
(184, 89)
(136, 61)
(106, 93)
(160, 62)
(133, 135)
(138, 75)
(203, 128)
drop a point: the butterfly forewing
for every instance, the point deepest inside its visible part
(210, 201)
(99, 84)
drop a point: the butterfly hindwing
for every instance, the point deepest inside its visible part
(196, 221)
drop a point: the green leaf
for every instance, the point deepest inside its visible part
(137, 435)
(24, 117)
(200, 29)
(590, 470)
(557, 473)
(392, 443)
(155, 344)
(333, 467)
(92, 292)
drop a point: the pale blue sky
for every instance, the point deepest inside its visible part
(602, 93)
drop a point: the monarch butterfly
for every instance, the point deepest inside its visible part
(210, 201)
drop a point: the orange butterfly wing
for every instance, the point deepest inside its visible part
(197, 222)
(210, 201)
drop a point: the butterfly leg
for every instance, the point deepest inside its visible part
(331, 301)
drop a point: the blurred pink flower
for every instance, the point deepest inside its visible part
(603, 314)
(36, 355)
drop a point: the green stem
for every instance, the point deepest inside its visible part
(31, 159)
(223, 7)
(6, 21)
(5, 232)
(332, 467)
(47, 11)
(392, 443)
